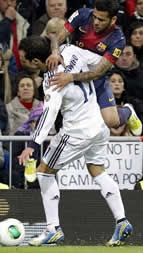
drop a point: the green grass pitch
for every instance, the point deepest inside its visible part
(72, 249)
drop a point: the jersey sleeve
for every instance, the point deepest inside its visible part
(77, 19)
(115, 48)
(52, 104)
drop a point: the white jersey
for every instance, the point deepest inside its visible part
(77, 101)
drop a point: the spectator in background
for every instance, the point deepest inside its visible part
(54, 8)
(122, 16)
(3, 124)
(135, 35)
(137, 15)
(117, 83)
(5, 84)
(3, 116)
(30, 9)
(126, 16)
(23, 103)
(130, 6)
(13, 27)
(1, 154)
(6, 17)
(75, 5)
(1, 160)
(25, 130)
(41, 9)
(130, 67)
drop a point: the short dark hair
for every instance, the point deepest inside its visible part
(35, 47)
(135, 25)
(111, 6)
(129, 44)
(118, 72)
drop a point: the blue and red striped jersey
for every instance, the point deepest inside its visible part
(110, 43)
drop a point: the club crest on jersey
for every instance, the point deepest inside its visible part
(101, 47)
(47, 97)
(117, 52)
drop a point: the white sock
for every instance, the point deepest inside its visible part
(50, 196)
(110, 191)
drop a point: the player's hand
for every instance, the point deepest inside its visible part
(38, 81)
(53, 60)
(60, 80)
(25, 155)
(10, 13)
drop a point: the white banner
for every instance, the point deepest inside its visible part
(123, 163)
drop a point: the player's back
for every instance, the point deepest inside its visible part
(81, 113)
(77, 101)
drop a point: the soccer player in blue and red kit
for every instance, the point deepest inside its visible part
(95, 29)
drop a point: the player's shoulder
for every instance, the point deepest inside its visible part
(117, 38)
(81, 14)
(118, 33)
(85, 11)
(73, 53)
(68, 48)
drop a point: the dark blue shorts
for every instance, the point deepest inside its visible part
(105, 97)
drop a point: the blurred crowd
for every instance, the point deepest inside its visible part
(21, 93)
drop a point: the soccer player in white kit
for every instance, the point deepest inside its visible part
(83, 133)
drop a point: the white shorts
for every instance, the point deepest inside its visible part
(64, 149)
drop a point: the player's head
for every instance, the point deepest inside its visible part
(105, 14)
(34, 51)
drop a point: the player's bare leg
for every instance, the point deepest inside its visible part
(115, 117)
(110, 116)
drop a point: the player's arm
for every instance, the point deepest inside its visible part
(52, 105)
(62, 79)
(109, 58)
(55, 58)
(94, 74)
